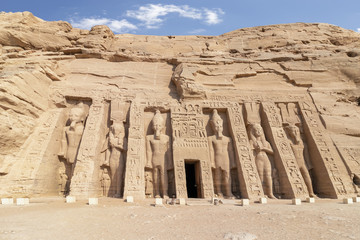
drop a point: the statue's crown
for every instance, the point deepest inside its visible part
(216, 117)
(158, 118)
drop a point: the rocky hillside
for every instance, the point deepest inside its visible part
(37, 55)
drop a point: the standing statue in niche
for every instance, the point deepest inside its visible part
(105, 181)
(157, 155)
(115, 158)
(301, 154)
(262, 148)
(72, 134)
(221, 154)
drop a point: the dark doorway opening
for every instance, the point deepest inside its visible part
(192, 183)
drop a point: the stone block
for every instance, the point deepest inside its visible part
(7, 201)
(310, 200)
(70, 199)
(245, 202)
(158, 201)
(263, 200)
(182, 201)
(22, 201)
(348, 201)
(93, 201)
(296, 201)
(356, 199)
(130, 199)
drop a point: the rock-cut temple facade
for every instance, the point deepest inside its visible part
(261, 112)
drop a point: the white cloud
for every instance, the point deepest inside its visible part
(213, 16)
(358, 30)
(152, 15)
(122, 26)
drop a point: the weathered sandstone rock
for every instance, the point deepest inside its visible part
(270, 110)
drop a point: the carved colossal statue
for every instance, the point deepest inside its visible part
(115, 157)
(221, 154)
(261, 148)
(157, 155)
(301, 154)
(72, 134)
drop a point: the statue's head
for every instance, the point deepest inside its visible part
(217, 123)
(78, 113)
(257, 130)
(158, 124)
(117, 129)
(293, 131)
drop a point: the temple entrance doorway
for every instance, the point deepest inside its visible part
(192, 170)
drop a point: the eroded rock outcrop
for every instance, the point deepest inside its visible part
(292, 76)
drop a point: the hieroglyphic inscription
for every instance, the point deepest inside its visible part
(180, 178)
(190, 143)
(36, 156)
(85, 181)
(250, 183)
(206, 178)
(351, 157)
(293, 185)
(135, 163)
(326, 153)
(280, 96)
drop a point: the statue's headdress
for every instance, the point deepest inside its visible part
(158, 118)
(216, 119)
(83, 108)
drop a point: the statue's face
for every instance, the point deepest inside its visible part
(117, 129)
(157, 126)
(218, 127)
(75, 115)
(257, 130)
(294, 131)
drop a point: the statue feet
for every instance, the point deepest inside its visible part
(166, 197)
(312, 195)
(157, 196)
(271, 196)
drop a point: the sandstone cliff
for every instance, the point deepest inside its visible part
(39, 58)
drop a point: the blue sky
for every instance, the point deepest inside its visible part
(195, 17)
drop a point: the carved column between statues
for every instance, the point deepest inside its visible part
(292, 183)
(135, 163)
(330, 172)
(85, 181)
(250, 184)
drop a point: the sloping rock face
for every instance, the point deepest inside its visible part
(270, 110)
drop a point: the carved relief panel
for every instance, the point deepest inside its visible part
(332, 178)
(250, 184)
(85, 181)
(190, 146)
(261, 148)
(70, 142)
(292, 125)
(291, 180)
(135, 163)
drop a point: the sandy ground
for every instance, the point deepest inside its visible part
(52, 218)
